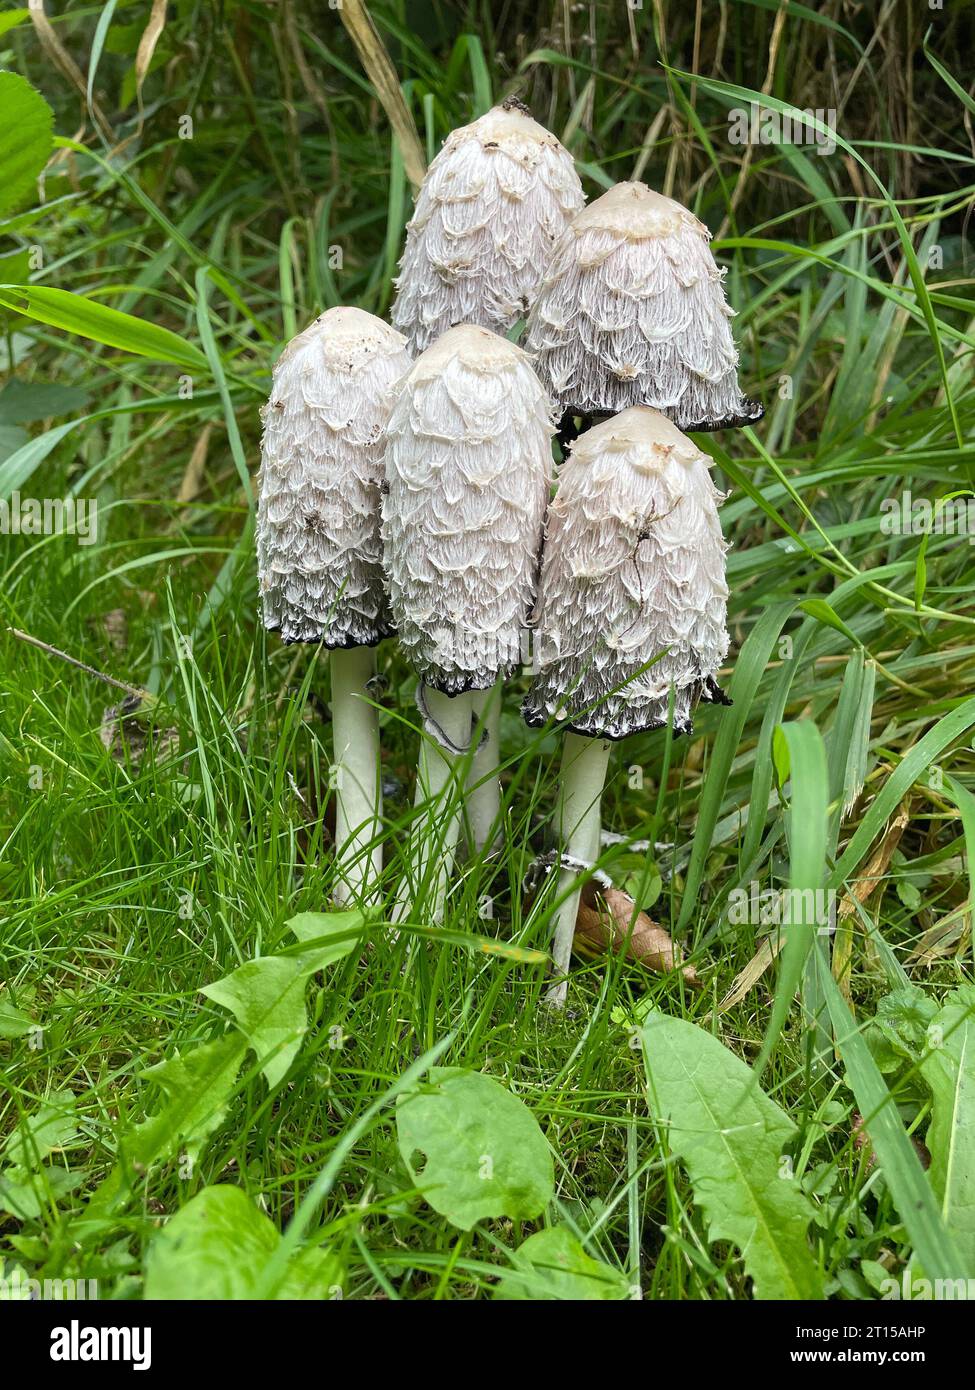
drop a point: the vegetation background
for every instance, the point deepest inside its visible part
(222, 172)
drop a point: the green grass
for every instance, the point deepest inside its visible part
(130, 879)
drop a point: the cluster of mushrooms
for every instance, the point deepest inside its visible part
(406, 488)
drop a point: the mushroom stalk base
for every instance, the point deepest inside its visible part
(435, 833)
(355, 756)
(583, 772)
(484, 797)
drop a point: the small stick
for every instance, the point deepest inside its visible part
(134, 690)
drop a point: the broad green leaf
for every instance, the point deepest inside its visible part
(12, 18)
(267, 999)
(552, 1264)
(949, 1069)
(197, 1087)
(483, 1154)
(729, 1136)
(898, 1032)
(215, 1247)
(52, 1127)
(25, 1195)
(89, 319)
(25, 402)
(26, 140)
(267, 996)
(12, 439)
(331, 934)
(14, 1023)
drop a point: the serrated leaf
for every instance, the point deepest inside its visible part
(267, 1000)
(949, 1070)
(483, 1153)
(552, 1264)
(197, 1087)
(216, 1246)
(51, 1127)
(729, 1136)
(267, 996)
(26, 139)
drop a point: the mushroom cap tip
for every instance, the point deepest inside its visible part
(476, 346)
(637, 424)
(509, 120)
(637, 212)
(342, 328)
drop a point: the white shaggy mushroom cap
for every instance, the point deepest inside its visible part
(633, 569)
(489, 210)
(319, 556)
(468, 468)
(633, 312)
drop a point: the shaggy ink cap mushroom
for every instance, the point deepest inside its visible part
(492, 204)
(633, 569)
(632, 311)
(468, 466)
(318, 545)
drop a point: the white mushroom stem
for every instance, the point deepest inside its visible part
(583, 773)
(445, 741)
(358, 792)
(484, 798)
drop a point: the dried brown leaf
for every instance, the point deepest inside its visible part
(603, 923)
(863, 886)
(147, 45)
(65, 64)
(193, 476)
(126, 732)
(748, 977)
(381, 73)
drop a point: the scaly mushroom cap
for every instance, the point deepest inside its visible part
(319, 556)
(468, 468)
(632, 311)
(489, 210)
(633, 568)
